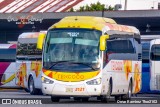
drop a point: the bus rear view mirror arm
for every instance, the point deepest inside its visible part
(40, 40)
(103, 39)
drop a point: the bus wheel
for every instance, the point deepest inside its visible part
(129, 93)
(105, 98)
(118, 97)
(55, 99)
(26, 90)
(40, 92)
(32, 89)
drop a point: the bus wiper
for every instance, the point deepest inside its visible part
(85, 65)
(55, 63)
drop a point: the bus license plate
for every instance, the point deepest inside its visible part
(69, 89)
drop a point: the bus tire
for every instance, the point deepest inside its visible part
(40, 92)
(129, 93)
(105, 98)
(31, 86)
(118, 97)
(55, 99)
(26, 90)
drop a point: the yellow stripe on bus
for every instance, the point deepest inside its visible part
(70, 76)
(9, 79)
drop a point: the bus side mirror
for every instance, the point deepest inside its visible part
(40, 40)
(103, 40)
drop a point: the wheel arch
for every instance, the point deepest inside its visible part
(131, 81)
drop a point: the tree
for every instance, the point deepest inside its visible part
(110, 8)
(94, 7)
(71, 10)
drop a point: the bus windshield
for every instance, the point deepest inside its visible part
(26, 48)
(155, 52)
(72, 50)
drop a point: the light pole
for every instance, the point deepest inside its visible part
(153, 5)
(33, 28)
(125, 6)
(105, 7)
(103, 13)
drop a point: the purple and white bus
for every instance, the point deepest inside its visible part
(7, 65)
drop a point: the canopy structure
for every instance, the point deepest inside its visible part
(35, 6)
(145, 20)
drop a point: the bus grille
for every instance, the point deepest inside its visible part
(158, 82)
(2, 77)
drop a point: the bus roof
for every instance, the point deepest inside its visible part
(155, 41)
(29, 35)
(7, 46)
(150, 37)
(99, 23)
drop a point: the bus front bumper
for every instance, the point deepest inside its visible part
(71, 89)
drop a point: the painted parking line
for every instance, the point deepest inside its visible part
(3, 89)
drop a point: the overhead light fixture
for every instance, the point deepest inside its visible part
(148, 28)
(33, 28)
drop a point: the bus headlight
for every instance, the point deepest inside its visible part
(94, 82)
(47, 81)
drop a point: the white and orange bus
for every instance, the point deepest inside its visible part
(7, 65)
(87, 57)
(28, 63)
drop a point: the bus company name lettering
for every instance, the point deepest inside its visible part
(116, 65)
(63, 76)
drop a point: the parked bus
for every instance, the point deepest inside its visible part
(7, 65)
(28, 63)
(154, 65)
(145, 39)
(87, 57)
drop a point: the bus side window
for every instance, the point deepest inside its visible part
(28, 51)
(152, 53)
(7, 55)
(120, 46)
(155, 52)
(151, 56)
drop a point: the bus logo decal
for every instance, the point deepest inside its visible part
(36, 67)
(116, 65)
(22, 74)
(137, 78)
(70, 76)
(127, 67)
